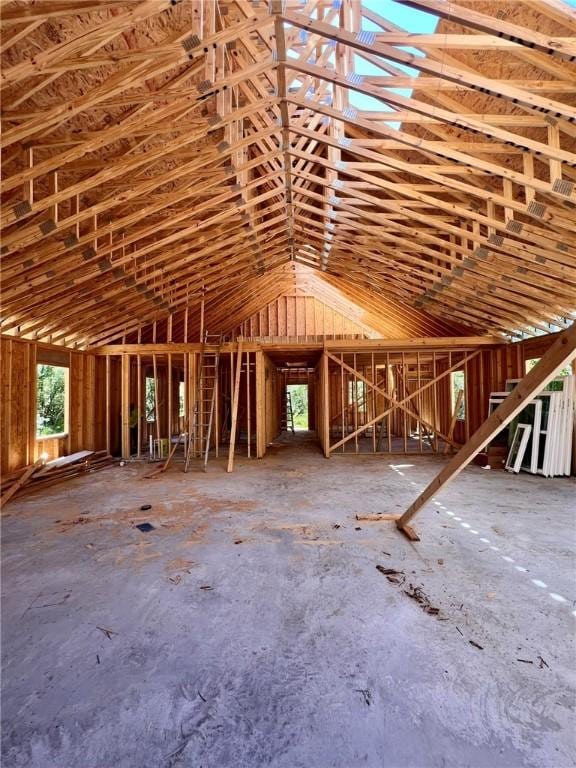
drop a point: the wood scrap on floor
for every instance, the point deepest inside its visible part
(417, 593)
(81, 520)
(107, 632)
(42, 475)
(366, 695)
(393, 576)
(18, 483)
(407, 530)
(63, 461)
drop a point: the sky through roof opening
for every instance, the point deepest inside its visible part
(405, 19)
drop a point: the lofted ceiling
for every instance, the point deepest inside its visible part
(157, 152)
(235, 304)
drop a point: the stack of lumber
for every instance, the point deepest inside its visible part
(41, 475)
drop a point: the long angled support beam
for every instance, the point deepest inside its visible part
(554, 359)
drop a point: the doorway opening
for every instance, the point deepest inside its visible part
(297, 397)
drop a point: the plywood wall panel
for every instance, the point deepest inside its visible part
(300, 317)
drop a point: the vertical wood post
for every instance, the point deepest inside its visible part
(125, 404)
(170, 398)
(191, 402)
(248, 405)
(326, 406)
(467, 401)
(236, 397)
(139, 409)
(31, 405)
(184, 427)
(202, 318)
(89, 437)
(372, 396)
(108, 445)
(156, 408)
(260, 405)
(343, 403)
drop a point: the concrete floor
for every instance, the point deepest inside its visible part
(248, 630)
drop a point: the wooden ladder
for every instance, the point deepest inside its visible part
(287, 416)
(205, 405)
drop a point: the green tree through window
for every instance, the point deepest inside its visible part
(150, 399)
(51, 384)
(299, 399)
(458, 383)
(529, 364)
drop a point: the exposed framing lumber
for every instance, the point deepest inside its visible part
(471, 80)
(125, 405)
(561, 352)
(235, 401)
(228, 150)
(411, 104)
(457, 404)
(499, 27)
(20, 482)
(395, 404)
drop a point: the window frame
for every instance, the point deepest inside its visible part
(461, 416)
(146, 380)
(66, 432)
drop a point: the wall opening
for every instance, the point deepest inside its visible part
(458, 384)
(51, 400)
(150, 396)
(299, 399)
(532, 361)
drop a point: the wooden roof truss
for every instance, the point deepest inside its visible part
(159, 151)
